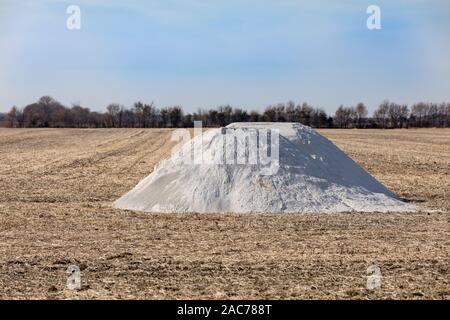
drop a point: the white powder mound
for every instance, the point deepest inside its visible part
(313, 176)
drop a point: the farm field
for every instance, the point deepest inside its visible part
(57, 187)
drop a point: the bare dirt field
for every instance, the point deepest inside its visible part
(57, 187)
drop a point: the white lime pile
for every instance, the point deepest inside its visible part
(311, 176)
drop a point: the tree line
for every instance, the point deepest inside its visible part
(49, 113)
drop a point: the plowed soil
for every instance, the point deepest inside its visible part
(57, 187)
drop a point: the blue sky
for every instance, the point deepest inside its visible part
(206, 53)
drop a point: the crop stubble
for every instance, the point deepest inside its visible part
(57, 186)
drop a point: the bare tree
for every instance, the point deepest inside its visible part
(361, 114)
(11, 117)
(304, 113)
(175, 116)
(239, 115)
(47, 112)
(255, 116)
(113, 110)
(148, 115)
(398, 114)
(340, 117)
(20, 118)
(290, 112)
(79, 116)
(270, 114)
(419, 112)
(381, 114)
(138, 109)
(345, 117)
